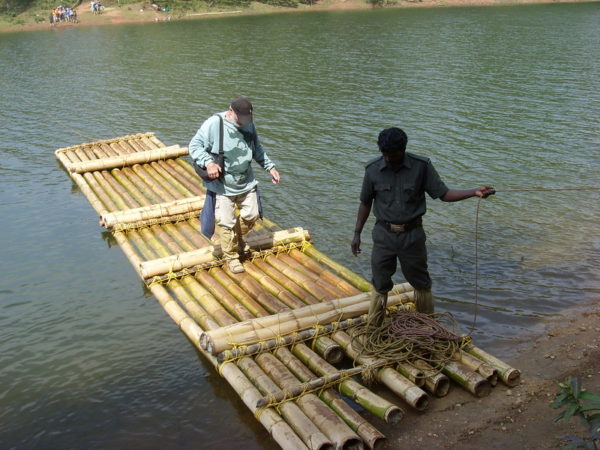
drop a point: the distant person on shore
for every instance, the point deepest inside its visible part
(232, 184)
(395, 183)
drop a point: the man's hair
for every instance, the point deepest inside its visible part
(392, 140)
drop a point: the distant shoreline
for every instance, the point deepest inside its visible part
(134, 13)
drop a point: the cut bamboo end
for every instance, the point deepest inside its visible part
(509, 375)
(328, 349)
(412, 373)
(436, 383)
(116, 162)
(471, 381)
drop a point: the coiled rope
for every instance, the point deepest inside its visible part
(408, 335)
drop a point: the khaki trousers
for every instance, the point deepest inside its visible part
(232, 228)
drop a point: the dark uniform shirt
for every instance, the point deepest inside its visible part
(399, 196)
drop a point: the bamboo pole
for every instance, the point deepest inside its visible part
(298, 291)
(477, 365)
(173, 263)
(297, 389)
(85, 189)
(398, 384)
(436, 382)
(509, 375)
(289, 339)
(287, 322)
(333, 290)
(412, 373)
(328, 349)
(368, 433)
(128, 160)
(300, 279)
(318, 412)
(273, 287)
(471, 381)
(182, 206)
(354, 279)
(253, 288)
(227, 280)
(302, 425)
(324, 273)
(355, 391)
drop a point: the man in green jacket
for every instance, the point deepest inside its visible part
(234, 184)
(395, 185)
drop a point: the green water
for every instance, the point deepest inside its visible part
(508, 96)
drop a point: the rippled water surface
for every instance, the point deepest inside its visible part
(508, 96)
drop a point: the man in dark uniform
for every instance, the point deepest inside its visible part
(396, 183)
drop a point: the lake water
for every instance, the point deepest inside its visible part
(508, 96)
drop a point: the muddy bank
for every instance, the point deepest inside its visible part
(521, 417)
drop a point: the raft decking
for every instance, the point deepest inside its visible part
(256, 327)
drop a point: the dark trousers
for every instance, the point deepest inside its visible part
(408, 248)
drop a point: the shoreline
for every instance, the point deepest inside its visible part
(135, 13)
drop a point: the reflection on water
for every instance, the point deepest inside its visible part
(506, 96)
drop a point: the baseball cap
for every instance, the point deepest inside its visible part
(242, 106)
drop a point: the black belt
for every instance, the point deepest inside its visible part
(401, 227)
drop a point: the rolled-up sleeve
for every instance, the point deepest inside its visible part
(202, 144)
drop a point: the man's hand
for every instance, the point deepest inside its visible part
(484, 191)
(275, 176)
(356, 244)
(213, 170)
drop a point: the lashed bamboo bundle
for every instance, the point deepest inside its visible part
(291, 321)
(358, 393)
(325, 419)
(278, 428)
(312, 436)
(216, 298)
(173, 151)
(174, 263)
(400, 385)
(291, 392)
(370, 435)
(147, 213)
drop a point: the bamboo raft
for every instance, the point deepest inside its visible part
(274, 332)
